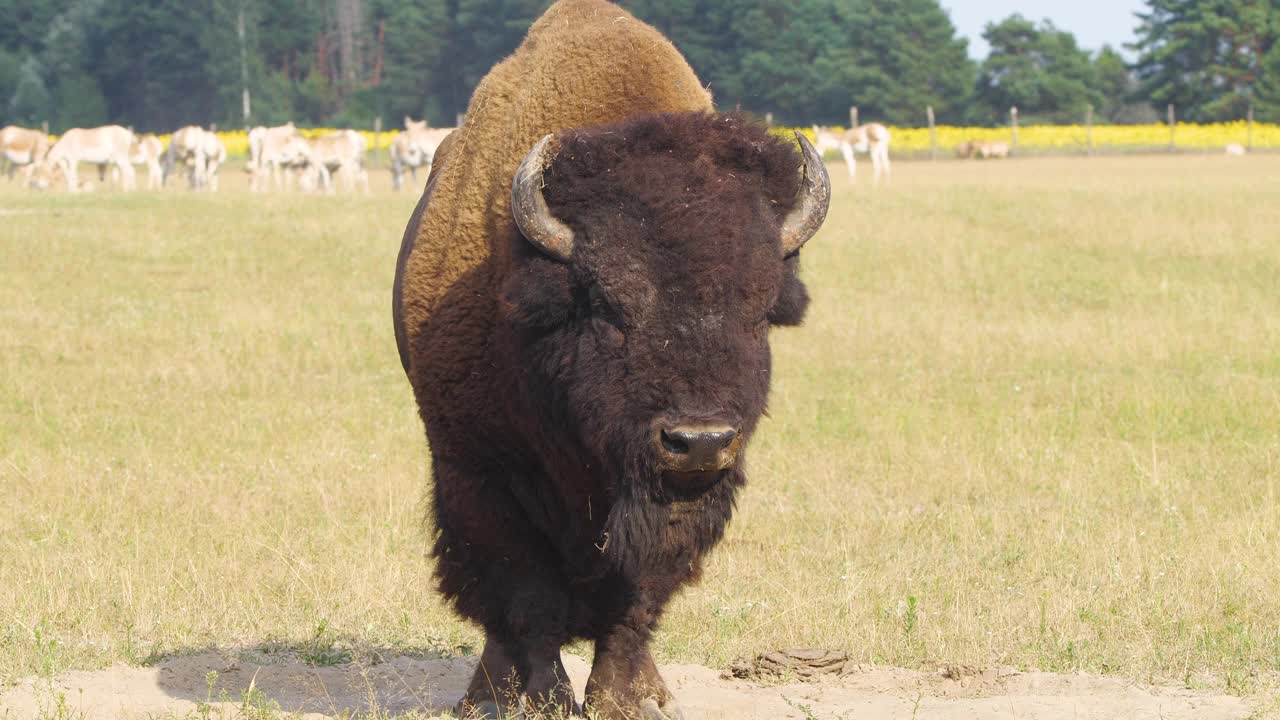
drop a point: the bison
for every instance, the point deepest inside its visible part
(582, 305)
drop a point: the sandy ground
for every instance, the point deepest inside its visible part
(403, 684)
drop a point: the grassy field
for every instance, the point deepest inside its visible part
(1034, 419)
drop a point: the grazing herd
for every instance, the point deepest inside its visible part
(280, 158)
(283, 158)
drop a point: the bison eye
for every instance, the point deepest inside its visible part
(607, 323)
(609, 334)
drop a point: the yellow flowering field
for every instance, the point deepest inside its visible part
(237, 141)
(1074, 138)
(1038, 139)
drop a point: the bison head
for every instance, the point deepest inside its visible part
(652, 258)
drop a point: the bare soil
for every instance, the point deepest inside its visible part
(404, 684)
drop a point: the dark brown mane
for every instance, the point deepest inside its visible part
(729, 146)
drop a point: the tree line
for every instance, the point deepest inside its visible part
(159, 64)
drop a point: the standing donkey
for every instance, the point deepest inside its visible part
(872, 139)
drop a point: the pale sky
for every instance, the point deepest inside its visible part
(1094, 22)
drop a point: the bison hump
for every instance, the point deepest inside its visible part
(583, 63)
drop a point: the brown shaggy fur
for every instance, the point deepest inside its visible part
(584, 62)
(541, 383)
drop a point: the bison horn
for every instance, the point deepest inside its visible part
(530, 210)
(815, 199)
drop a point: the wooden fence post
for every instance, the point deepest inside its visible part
(377, 137)
(1088, 127)
(768, 119)
(44, 127)
(1173, 125)
(1013, 125)
(853, 117)
(933, 135)
(459, 119)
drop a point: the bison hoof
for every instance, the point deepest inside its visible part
(650, 710)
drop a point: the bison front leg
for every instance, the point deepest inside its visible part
(509, 668)
(494, 691)
(624, 682)
(510, 583)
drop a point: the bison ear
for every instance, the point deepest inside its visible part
(813, 202)
(529, 207)
(537, 297)
(793, 299)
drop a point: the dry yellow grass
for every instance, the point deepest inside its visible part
(1034, 418)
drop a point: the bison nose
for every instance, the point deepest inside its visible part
(691, 448)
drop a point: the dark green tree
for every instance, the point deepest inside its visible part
(1204, 56)
(415, 74)
(1267, 93)
(809, 60)
(1115, 82)
(1037, 68)
(783, 47)
(30, 103)
(10, 66)
(27, 23)
(906, 57)
(153, 62)
(704, 32)
(483, 32)
(76, 100)
(52, 83)
(1118, 87)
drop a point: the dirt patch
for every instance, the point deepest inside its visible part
(403, 684)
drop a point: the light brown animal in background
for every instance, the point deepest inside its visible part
(992, 150)
(268, 148)
(341, 152)
(297, 157)
(414, 148)
(982, 150)
(53, 176)
(22, 147)
(109, 145)
(872, 139)
(148, 151)
(215, 155)
(827, 139)
(200, 152)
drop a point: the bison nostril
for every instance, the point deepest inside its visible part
(675, 444)
(698, 447)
